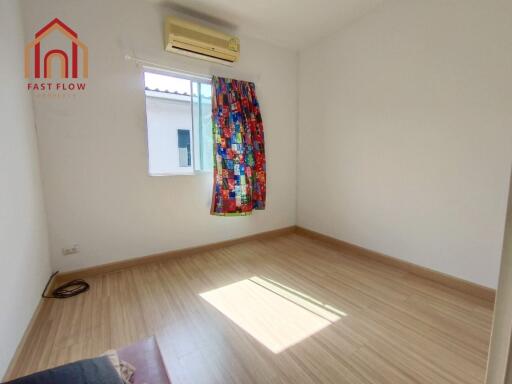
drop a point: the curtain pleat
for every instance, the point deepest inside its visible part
(239, 149)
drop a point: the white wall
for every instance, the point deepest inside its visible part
(24, 258)
(404, 143)
(405, 134)
(94, 152)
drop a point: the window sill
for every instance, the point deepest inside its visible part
(195, 173)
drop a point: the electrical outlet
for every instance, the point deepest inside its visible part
(70, 251)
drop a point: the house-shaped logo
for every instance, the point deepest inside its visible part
(42, 66)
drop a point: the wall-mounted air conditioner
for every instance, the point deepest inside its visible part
(191, 39)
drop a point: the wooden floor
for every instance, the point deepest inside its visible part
(284, 310)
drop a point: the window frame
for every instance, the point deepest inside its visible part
(192, 78)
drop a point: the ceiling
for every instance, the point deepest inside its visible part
(291, 23)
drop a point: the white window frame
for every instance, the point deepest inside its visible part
(182, 75)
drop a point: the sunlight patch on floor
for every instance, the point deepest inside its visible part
(274, 314)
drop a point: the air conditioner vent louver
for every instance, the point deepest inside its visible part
(203, 37)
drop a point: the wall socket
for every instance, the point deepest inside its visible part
(70, 251)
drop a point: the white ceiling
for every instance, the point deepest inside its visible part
(292, 23)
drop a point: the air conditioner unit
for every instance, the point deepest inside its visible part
(195, 40)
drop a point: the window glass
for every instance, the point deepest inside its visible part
(178, 113)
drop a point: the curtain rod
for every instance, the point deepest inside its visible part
(173, 69)
(167, 67)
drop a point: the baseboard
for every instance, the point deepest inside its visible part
(461, 285)
(119, 265)
(9, 372)
(16, 356)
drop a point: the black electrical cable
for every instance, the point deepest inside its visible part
(69, 289)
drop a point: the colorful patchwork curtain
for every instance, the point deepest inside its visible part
(239, 166)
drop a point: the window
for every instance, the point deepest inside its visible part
(178, 113)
